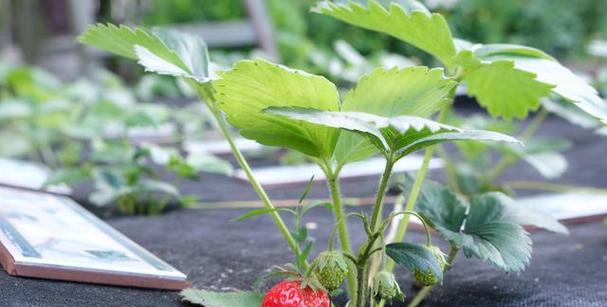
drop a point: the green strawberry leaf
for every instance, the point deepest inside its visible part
(252, 86)
(496, 77)
(504, 90)
(491, 235)
(416, 91)
(161, 51)
(385, 133)
(489, 50)
(400, 135)
(443, 209)
(566, 84)
(221, 299)
(465, 135)
(492, 228)
(416, 26)
(414, 257)
(571, 113)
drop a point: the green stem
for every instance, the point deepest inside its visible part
(378, 213)
(421, 295)
(362, 271)
(529, 131)
(342, 229)
(424, 223)
(379, 196)
(534, 125)
(242, 161)
(360, 290)
(282, 227)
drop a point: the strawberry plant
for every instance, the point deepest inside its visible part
(389, 113)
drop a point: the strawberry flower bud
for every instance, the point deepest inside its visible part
(385, 287)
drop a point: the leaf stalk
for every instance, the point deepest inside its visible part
(242, 161)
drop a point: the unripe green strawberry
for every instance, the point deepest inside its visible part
(331, 269)
(427, 277)
(385, 287)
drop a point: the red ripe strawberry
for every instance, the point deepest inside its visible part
(288, 293)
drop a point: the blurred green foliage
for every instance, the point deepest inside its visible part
(561, 27)
(181, 11)
(95, 132)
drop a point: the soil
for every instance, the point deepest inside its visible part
(221, 255)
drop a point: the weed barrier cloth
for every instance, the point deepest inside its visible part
(565, 271)
(219, 255)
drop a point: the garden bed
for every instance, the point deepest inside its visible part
(225, 256)
(220, 255)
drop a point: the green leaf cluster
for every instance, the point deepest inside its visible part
(401, 19)
(508, 80)
(161, 51)
(488, 227)
(415, 91)
(392, 136)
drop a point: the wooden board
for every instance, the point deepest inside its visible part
(52, 237)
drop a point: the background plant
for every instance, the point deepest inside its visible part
(561, 28)
(84, 131)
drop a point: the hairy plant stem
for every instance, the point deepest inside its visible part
(282, 227)
(342, 229)
(362, 296)
(373, 267)
(361, 285)
(242, 161)
(381, 191)
(421, 295)
(529, 131)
